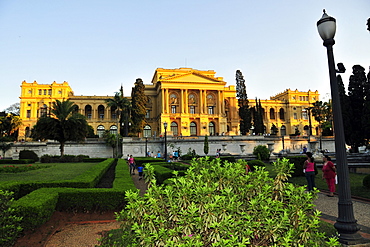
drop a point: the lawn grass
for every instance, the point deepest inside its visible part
(357, 189)
(56, 171)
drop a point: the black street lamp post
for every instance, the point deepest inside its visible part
(165, 141)
(146, 146)
(346, 223)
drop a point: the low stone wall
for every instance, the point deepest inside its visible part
(234, 145)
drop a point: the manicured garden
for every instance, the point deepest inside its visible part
(59, 186)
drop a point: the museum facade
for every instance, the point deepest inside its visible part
(192, 103)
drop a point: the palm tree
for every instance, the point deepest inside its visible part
(123, 106)
(64, 124)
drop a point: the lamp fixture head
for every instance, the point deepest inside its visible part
(326, 26)
(165, 125)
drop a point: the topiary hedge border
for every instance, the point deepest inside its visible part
(37, 207)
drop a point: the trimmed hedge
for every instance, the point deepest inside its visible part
(255, 163)
(38, 206)
(21, 161)
(366, 181)
(28, 154)
(63, 159)
(93, 160)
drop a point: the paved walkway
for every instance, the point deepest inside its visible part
(361, 209)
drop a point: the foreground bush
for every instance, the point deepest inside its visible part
(9, 222)
(220, 205)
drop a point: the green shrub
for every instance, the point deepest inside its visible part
(262, 152)
(93, 160)
(221, 205)
(10, 223)
(366, 181)
(253, 164)
(23, 161)
(65, 159)
(17, 169)
(28, 154)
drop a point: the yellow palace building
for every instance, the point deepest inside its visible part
(192, 103)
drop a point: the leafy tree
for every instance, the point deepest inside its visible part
(218, 204)
(111, 140)
(368, 24)
(13, 109)
(9, 125)
(5, 147)
(64, 124)
(244, 110)
(322, 112)
(206, 145)
(345, 107)
(123, 108)
(138, 112)
(90, 132)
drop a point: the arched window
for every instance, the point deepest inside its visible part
(211, 128)
(88, 111)
(193, 129)
(113, 113)
(44, 111)
(272, 113)
(281, 114)
(192, 103)
(28, 132)
(174, 128)
(75, 108)
(100, 131)
(306, 129)
(147, 131)
(113, 130)
(101, 112)
(174, 102)
(283, 130)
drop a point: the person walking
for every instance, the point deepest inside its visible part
(328, 174)
(131, 163)
(140, 170)
(309, 166)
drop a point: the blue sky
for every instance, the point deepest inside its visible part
(98, 45)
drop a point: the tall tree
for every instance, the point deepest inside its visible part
(206, 145)
(366, 110)
(356, 97)
(64, 124)
(139, 101)
(123, 108)
(258, 118)
(244, 110)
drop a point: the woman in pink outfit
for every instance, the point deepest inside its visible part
(309, 166)
(329, 173)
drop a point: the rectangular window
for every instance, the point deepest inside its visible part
(173, 109)
(304, 115)
(295, 115)
(40, 92)
(28, 113)
(44, 91)
(49, 92)
(29, 91)
(192, 109)
(211, 110)
(147, 115)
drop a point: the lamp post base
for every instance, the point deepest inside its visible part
(348, 233)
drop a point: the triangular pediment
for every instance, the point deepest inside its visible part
(191, 77)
